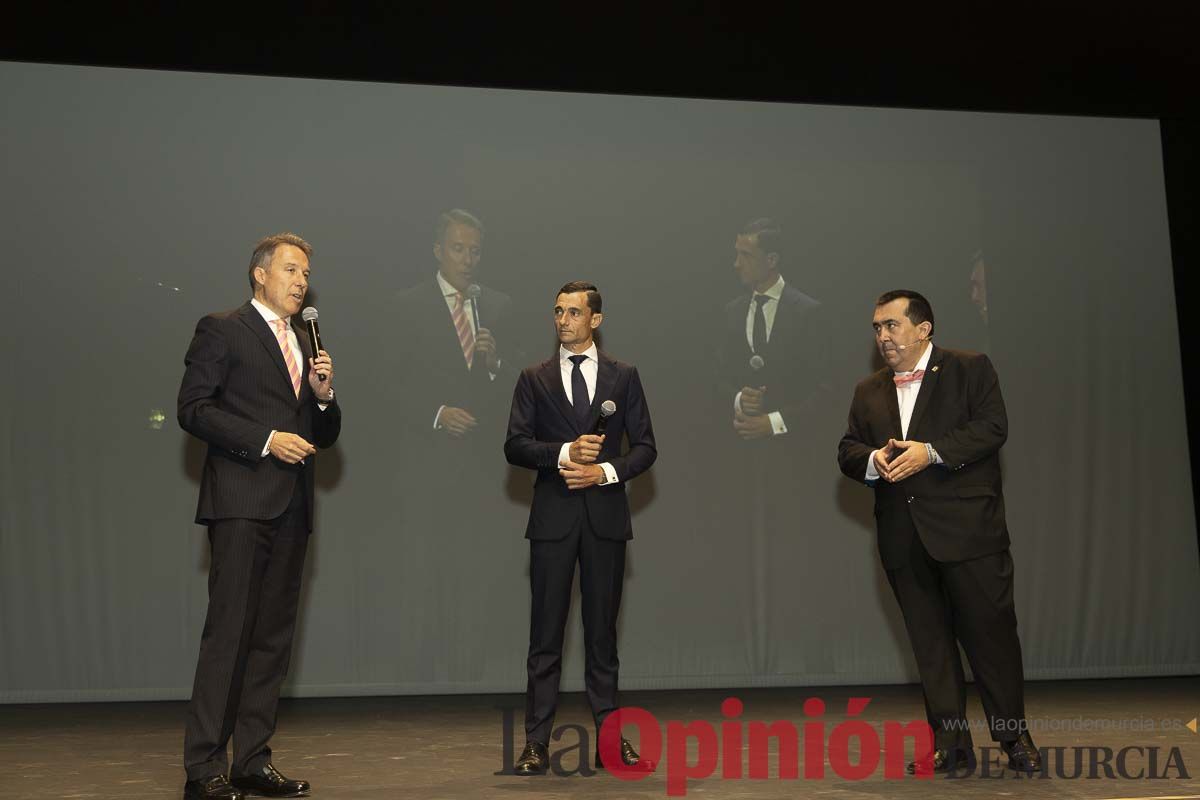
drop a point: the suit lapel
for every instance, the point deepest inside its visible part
(606, 379)
(928, 386)
(551, 377)
(892, 405)
(255, 322)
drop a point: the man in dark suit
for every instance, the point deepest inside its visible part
(774, 352)
(264, 403)
(448, 347)
(925, 431)
(580, 511)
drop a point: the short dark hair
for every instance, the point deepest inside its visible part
(594, 300)
(918, 310)
(767, 233)
(264, 251)
(452, 217)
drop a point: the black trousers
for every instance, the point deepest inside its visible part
(944, 603)
(253, 594)
(551, 573)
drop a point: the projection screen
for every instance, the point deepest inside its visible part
(131, 202)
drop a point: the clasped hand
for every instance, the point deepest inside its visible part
(898, 460)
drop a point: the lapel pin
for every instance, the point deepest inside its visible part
(936, 367)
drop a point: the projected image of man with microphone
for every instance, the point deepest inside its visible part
(569, 417)
(451, 342)
(773, 351)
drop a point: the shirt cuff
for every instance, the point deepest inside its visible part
(777, 426)
(737, 403)
(610, 473)
(438, 416)
(564, 453)
(267, 447)
(872, 473)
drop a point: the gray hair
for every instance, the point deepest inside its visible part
(264, 251)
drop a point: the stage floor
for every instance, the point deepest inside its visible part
(452, 746)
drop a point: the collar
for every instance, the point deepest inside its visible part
(923, 362)
(775, 292)
(445, 286)
(267, 314)
(564, 355)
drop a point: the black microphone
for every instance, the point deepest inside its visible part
(309, 315)
(607, 409)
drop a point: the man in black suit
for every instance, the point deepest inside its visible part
(774, 352)
(255, 393)
(580, 511)
(925, 431)
(448, 346)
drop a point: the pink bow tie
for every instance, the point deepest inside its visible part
(912, 377)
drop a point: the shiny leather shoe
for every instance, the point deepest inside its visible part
(940, 763)
(630, 758)
(534, 760)
(215, 788)
(1023, 756)
(270, 783)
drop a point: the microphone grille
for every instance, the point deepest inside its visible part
(308, 314)
(756, 361)
(473, 291)
(608, 408)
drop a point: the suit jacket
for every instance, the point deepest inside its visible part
(796, 357)
(235, 390)
(957, 508)
(540, 422)
(432, 363)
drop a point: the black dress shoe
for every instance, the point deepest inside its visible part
(940, 763)
(215, 788)
(1023, 756)
(269, 783)
(534, 760)
(629, 757)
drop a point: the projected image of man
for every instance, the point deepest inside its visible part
(452, 332)
(254, 392)
(580, 511)
(773, 350)
(925, 433)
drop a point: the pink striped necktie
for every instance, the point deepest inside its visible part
(289, 357)
(912, 377)
(462, 325)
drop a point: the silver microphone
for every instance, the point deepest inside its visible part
(756, 362)
(607, 409)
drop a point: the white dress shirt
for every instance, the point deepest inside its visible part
(769, 308)
(298, 354)
(906, 398)
(590, 367)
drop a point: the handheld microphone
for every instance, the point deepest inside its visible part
(607, 409)
(756, 362)
(309, 315)
(473, 292)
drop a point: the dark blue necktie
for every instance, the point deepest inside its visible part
(579, 393)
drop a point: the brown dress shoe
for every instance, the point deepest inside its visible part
(629, 757)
